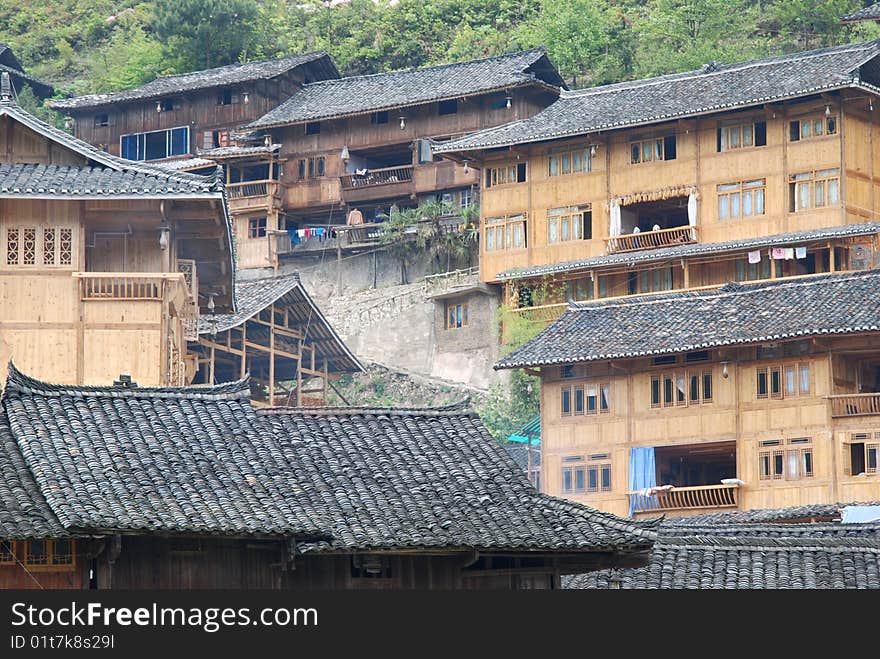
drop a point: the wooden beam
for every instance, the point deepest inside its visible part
(272, 359)
(243, 350)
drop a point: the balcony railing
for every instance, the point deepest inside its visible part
(111, 286)
(251, 189)
(686, 498)
(374, 177)
(855, 404)
(632, 242)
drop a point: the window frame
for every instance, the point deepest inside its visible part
(257, 227)
(675, 388)
(580, 216)
(507, 174)
(828, 179)
(731, 135)
(776, 458)
(141, 143)
(460, 310)
(558, 162)
(595, 404)
(754, 190)
(61, 244)
(825, 121)
(503, 230)
(778, 390)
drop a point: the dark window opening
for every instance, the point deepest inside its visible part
(225, 97)
(168, 104)
(521, 172)
(379, 117)
(760, 133)
(257, 227)
(698, 356)
(666, 359)
(695, 465)
(313, 128)
(370, 567)
(653, 216)
(669, 147)
(102, 120)
(447, 107)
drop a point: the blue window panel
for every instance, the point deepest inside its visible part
(130, 147)
(179, 141)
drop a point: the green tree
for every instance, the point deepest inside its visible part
(207, 33)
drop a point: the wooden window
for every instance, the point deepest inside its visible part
(456, 315)
(579, 289)
(466, 198)
(505, 232)
(589, 398)
(746, 271)
(807, 128)
(447, 107)
(570, 162)
(155, 145)
(861, 454)
(29, 246)
(7, 552)
(227, 97)
(792, 462)
(599, 475)
(651, 281)
(65, 247)
(814, 190)
(49, 246)
(168, 104)
(665, 359)
(505, 175)
(569, 223)
(654, 149)
(680, 388)
(573, 480)
(313, 128)
(742, 136)
(783, 381)
(102, 120)
(743, 199)
(379, 117)
(256, 227)
(310, 168)
(13, 238)
(364, 566)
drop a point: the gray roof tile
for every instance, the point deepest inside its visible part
(200, 460)
(726, 554)
(714, 88)
(187, 82)
(869, 13)
(360, 94)
(736, 313)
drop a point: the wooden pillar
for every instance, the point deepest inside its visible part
(595, 277)
(272, 357)
(326, 381)
(685, 266)
(831, 258)
(299, 375)
(338, 265)
(244, 349)
(211, 367)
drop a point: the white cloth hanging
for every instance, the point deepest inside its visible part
(614, 228)
(692, 213)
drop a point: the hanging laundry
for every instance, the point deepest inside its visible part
(755, 256)
(789, 253)
(777, 253)
(800, 252)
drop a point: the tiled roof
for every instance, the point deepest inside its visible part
(715, 87)
(200, 460)
(764, 556)
(185, 164)
(817, 511)
(254, 295)
(24, 512)
(694, 249)
(411, 478)
(224, 152)
(222, 76)
(840, 303)
(382, 91)
(519, 453)
(869, 13)
(9, 63)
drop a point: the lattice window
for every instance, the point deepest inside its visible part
(65, 252)
(7, 552)
(12, 246)
(188, 268)
(29, 246)
(49, 245)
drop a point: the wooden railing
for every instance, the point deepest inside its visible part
(631, 242)
(250, 189)
(121, 286)
(685, 498)
(545, 313)
(855, 404)
(377, 177)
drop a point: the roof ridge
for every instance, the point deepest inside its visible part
(19, 382)
(315, 54)
(458, 408)
(432, 67)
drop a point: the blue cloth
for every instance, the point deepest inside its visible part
(642, 474)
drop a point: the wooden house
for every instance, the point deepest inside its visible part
(356, 146)
(196, 489)
(18, 77)
(280, 338)
(641, 201)
(175, 116)
(106, 263)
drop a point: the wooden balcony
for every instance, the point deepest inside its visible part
(702, 497)
(378, 183)
(633, 242)
(252, 195)
(855, 404)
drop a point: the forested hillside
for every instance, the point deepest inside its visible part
(86, 46)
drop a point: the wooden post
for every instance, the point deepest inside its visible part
(326, 381)
(243, 349)
(831, 258)
(687, 273)
(211, 368)
(299, 375)
(272, 358)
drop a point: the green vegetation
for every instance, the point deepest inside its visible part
(88, 46)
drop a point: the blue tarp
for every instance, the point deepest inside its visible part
(860, 514)
(642, 474)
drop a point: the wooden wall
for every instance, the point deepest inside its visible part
(735, 414)
(198, 110)
(699, 164)
(422, 121)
